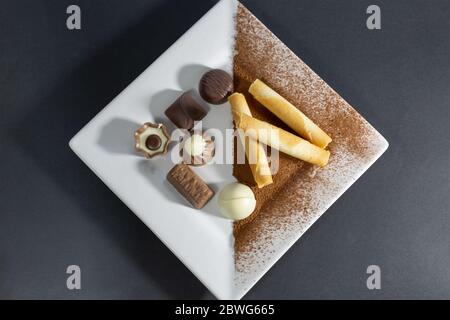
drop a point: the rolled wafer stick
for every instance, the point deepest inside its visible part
(254, 151)
(282, 140)
(290, 115)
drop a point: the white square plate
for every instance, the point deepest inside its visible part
(202, 240)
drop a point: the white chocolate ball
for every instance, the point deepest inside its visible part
(195, 145)
(236, 201)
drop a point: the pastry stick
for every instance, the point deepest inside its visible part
(253, 151)
(282, 140)
(290, 115)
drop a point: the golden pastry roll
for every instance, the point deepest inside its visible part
(289, 114)
(254, 152)
(282, 140)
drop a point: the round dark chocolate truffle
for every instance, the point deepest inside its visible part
(215, 86)
(153, 142)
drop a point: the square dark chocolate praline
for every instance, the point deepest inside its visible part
(185, 110)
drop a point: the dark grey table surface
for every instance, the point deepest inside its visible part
(55, 212)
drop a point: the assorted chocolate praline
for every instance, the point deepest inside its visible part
(215, 86)
(196, 149)
(152, 139)
(185, 110)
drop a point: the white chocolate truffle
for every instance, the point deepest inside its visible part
(197, 149)
(195, 145)
(236, 201)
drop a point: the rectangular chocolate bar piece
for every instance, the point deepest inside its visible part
(190, 185)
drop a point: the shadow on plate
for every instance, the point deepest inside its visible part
(189, 77)
(71, 103)
(117, 136)
(159, 103)
(153, 171)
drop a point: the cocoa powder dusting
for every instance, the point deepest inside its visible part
(300, 192)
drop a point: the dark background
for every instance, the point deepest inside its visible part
(55, 212)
